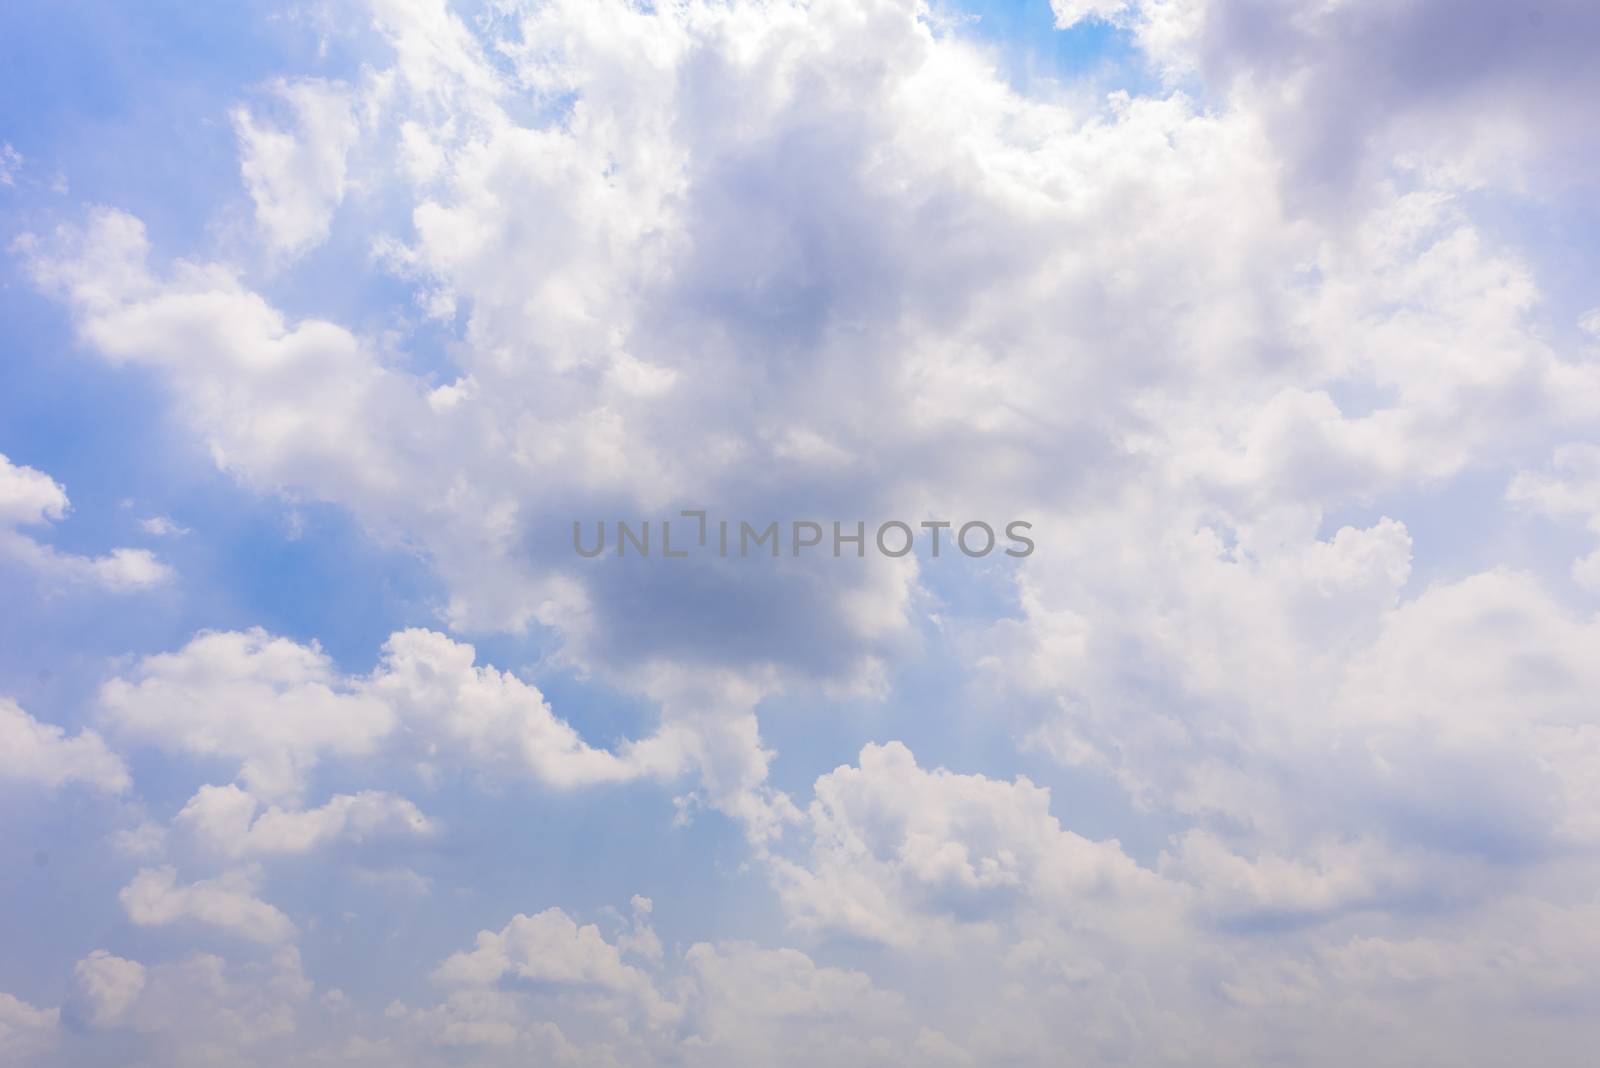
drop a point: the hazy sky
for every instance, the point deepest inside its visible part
(323, 322)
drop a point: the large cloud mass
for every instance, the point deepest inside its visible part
(1293, 411)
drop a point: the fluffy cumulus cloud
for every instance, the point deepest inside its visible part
(105, 988)
(155, 897)
(266, 704)
(551, 948)
(901, 854)
(273, 709)
(43, 755)
(1280, 748)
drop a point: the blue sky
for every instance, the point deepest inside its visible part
(320, 744)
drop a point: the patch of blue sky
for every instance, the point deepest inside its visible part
(1032, 52)
(128, 102)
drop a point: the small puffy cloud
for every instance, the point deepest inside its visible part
(283, 401)
(10, 164)
(228, 820)
(490, 717)
(31, 498)
(296, 175)
(28, 496)
(121, 571)
(270, 705)
(639, 938)
(155, 897)
(104, 989)
(550, 947)
(42, 754)
(161, 527)
(144, 840)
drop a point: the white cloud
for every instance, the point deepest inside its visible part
(10, 164)
(161, 527)
(31, 498)
(43, 754)
(490, 717)
(156, 898)
(105, 988)
(26, 1032)
(751, 1002)
(28, 496)
(485, 1020)
(1324, 879)
(906, 856)
(1286, 690)
(270, 705)
(278, 708)
(1229, 347)
(229, 820)
(199, 1010)
(551, 947)
(540, 984)
(639, 938)
(144, 840)
(1571, 489)
(297, 176)
(1245, 368)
